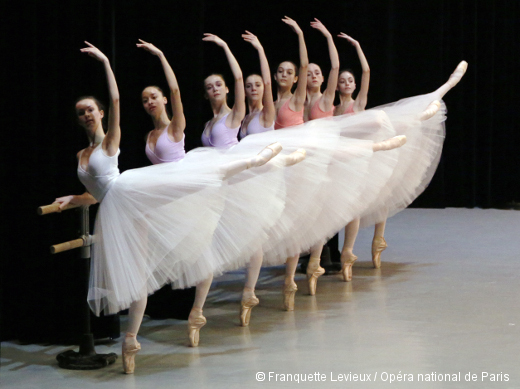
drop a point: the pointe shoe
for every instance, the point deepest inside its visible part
(195, 323)
(295, 157)
(456, 76)
(247, 307)
(129, 352)
(346, 267)
(289, 292)
(312, 278)
(378, 246)
(430, 111)
(261, 159)
(389, 144)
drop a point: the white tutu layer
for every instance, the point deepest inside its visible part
(417, 161)
(181, 222)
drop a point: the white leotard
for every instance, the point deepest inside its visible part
(101, 172)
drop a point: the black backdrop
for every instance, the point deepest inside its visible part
(412, 47)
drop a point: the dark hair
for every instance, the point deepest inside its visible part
(100, 105)
(254, 74)
(296, 67)
(314, 63)
(160, 90)
(216, 74)
(154, 86)
(347, 70)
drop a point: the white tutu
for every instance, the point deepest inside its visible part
(417, 161)
(181, 222)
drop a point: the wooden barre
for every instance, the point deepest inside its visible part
(55, 207)
(71, 244)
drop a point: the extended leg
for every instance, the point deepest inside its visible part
(389, 144)
(293, 158)
(454, 79)
(249, 300)
(431, 110)
(262, 158)
(196, 321)
(347, 256)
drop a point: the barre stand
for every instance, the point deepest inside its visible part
(86, 358)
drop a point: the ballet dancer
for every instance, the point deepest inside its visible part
(260, 119)
(165, 143)
(320, 105)
(289, 112)
(222, 130)
(259, 94)
(186, 208)
(98, 171)
(379, 215)
(348, 105)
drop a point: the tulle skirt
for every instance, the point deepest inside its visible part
(417, 161)
(182, 222)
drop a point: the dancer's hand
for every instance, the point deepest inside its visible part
(149, 47)
(215, 39)
(349, 38)
(93, 51)
(84, 199)
(251, 38)
(319, 26)
(64, 201)
(293, 24)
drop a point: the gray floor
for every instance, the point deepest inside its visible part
(444, 302)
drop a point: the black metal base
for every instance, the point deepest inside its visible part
(330, 258)
(86, 358)
(73, 360)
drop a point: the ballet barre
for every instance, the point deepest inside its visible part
(85, 240)
(86, 358)
(72, 244)
(53, 208)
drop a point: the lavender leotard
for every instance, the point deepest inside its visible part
(254, 126)
(166, 150)
(220, 135)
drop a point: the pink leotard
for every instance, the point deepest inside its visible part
(254, 126)
(166, 150)
(101, 172)
(287, 117)
(317, 113)
(220, 135)
(350, 109)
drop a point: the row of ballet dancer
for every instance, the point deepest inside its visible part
(165, 144)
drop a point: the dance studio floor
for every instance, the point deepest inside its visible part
(444, 311)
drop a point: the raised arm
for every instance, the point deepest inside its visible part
(113, 136)
(178, 122)
(269, 111)
(239, 107)
(327, 100)
(300, 93)
(361, 100)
